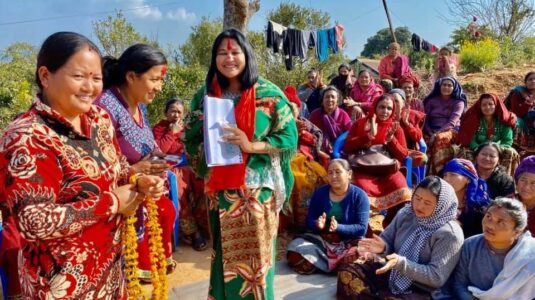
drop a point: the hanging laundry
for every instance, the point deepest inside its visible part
(275, 36)
(426, 46)
(322, 45)
(309, 38)
(339, 35)
(293, 46)
(331, 37)
(416, 42)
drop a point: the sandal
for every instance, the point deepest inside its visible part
(171, 268)
(199, 243)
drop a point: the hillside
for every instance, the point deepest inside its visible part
(499, 81)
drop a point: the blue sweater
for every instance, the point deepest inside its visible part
(355, 207)
(478, 267)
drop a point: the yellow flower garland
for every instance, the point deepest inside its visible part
(156, 253)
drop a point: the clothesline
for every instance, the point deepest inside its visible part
(419, 44)
(295, 42)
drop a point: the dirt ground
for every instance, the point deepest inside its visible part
(499, 81)
(194, 266)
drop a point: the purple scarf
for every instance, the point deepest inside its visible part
(527, 165)
(331, 127)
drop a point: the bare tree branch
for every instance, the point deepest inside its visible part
(506, 18)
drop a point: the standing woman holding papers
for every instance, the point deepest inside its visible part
(244, 198)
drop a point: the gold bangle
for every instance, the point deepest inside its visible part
(133, 180)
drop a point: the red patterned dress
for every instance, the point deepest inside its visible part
(57, 186)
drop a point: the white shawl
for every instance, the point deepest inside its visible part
(517, 279)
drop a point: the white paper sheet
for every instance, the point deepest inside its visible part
(217, 114)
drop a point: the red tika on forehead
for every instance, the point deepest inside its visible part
(229, 44)
(164, 71)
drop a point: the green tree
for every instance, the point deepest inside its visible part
(272, 66)
(198, 47)
(115, 34)
(17, 77)
(378, 44)
(187, 71)
(300, 17)
(462, 35)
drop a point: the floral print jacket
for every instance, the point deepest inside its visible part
(57, 185)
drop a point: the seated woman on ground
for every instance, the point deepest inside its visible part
(307, 167)
(330, 119)
(444, 107)
(192, 214)
(471, 194)
(364, 91)
(410, 84)
(488, 120)
(337, 219)
(521, 101)
(525, 187)
(421, 246)
(487, 162)
(392, 66)
(411, 122)
(385, 191)
(344, 81)
(498, 264)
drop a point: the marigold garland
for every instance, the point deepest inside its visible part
(157, 254)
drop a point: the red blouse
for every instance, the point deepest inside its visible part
(358, 139)
(57, 187)
(168, 141)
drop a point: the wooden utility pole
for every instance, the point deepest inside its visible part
(389, 22)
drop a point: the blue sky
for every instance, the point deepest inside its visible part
(170, 21)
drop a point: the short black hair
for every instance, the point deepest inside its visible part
(138, 58)
(489, 144)
(527, 76)
(432, 184)
(58, 48)
(249, 75)
(331, 88)
(172, 101)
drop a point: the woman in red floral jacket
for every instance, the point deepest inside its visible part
(61, 167)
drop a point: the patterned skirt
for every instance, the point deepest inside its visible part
(358, 281)
(308, 176)
(193, 212)
(324, 252)
(440, 151)
(524, 140)
(384, 191)
(244, 227)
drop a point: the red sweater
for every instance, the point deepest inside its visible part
(358, 139)
(169, 142)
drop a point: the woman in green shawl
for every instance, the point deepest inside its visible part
(244, 200)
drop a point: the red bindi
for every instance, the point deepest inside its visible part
(164, 71)
(229, 45)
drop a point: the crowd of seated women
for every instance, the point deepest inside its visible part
(478, 215)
